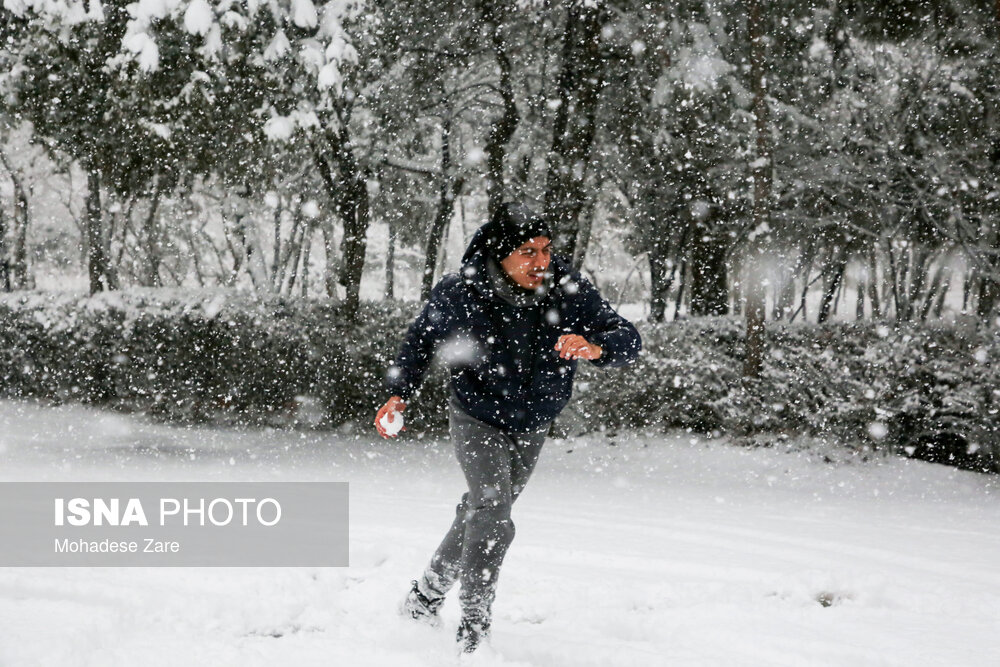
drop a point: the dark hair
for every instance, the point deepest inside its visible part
(511, 226)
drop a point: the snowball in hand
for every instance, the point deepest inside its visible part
(392, 422)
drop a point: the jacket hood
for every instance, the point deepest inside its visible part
(511, 225)
(476, 272)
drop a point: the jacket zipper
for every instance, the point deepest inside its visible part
(532, 360)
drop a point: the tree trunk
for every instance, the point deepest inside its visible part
(583, 239)
(17, 257)
(967, 281)
(4, 257)
(238, 251)
(502, 129)
(330, 263)
(257, 260)
(859, 299)
(736, 300)
(153, 259)
(894, 278)
(390, 262)
(446, 201)
(300, 257)
(709, 286)
(651, 220)
(943, 293)
(785, 298)
(294, 257)
(761, 191)
(356, 215)
(905, 261)
(345, 184)
(754, 360)
(126, 219)
(807, 263)
(803, 298)
(199, 273)
(922, 258)
(288, 250)
(873, 285)
(276, 248)
(98, 268)
(932, 292)
(989, 274)
(579, 85)
(306, 252)
(681, 288)
(989, 294)
(439, 265)
(840, 291)
(835, 276)
(253, 255)
(838, 40)
(660, 278)
(19, 263)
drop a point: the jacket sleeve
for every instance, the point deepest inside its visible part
(618, 338)
(432, 325)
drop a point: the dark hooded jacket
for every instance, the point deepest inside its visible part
(499, 340)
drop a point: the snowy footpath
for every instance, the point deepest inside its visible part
(640, 550)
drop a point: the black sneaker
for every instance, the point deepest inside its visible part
(419, 607)
(472, 634)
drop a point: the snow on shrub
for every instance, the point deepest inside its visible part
(232, 357)
(921, 390)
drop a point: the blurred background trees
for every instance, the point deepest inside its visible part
(840, 158)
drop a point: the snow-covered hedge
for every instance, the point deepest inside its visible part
(930, 391)
(226, 357)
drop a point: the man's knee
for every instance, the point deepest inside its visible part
(486, 496)
(492, 521)
(491, 511)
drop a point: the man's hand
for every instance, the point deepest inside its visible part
(394, 404)
(572, 346)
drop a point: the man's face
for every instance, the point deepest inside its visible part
(527, 265)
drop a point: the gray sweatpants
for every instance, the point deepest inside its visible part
(496, 465)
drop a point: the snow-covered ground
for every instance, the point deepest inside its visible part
(642, 550)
